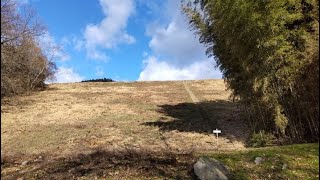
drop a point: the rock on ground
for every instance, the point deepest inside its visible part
(258, 160)
(210, 169)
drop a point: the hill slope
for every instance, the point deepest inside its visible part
(151, 117)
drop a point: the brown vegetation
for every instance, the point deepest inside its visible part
(24, 66)
(153, 118)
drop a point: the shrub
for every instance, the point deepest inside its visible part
(261, 139)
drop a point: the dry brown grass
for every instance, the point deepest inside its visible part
(81, 118)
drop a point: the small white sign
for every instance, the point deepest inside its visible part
(216, 131)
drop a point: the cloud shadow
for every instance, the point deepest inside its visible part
(202, 117)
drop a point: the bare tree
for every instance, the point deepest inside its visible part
(16, 25)
(24, 66)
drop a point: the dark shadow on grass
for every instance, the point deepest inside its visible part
(202, 117)
(107, 164)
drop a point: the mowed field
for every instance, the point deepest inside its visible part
(117, 130)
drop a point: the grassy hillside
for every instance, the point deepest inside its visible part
(117, 130)
(299, 161)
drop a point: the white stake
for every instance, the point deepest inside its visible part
(217, 132)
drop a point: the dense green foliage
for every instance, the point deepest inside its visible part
(269, 55)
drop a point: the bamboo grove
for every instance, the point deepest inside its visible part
(269, 54)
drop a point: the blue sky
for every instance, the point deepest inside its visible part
(126, 40)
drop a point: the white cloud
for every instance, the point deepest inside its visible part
(176, 51)
(176, 42)
(98, 55)
(73, 41)
(52, 49)
(110, 32)
(162, 70)
(66, 75)
(173, 39)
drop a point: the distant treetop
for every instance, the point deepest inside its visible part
(99, 80)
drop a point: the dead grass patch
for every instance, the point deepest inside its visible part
(78, 118)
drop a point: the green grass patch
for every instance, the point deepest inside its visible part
(301, 161)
